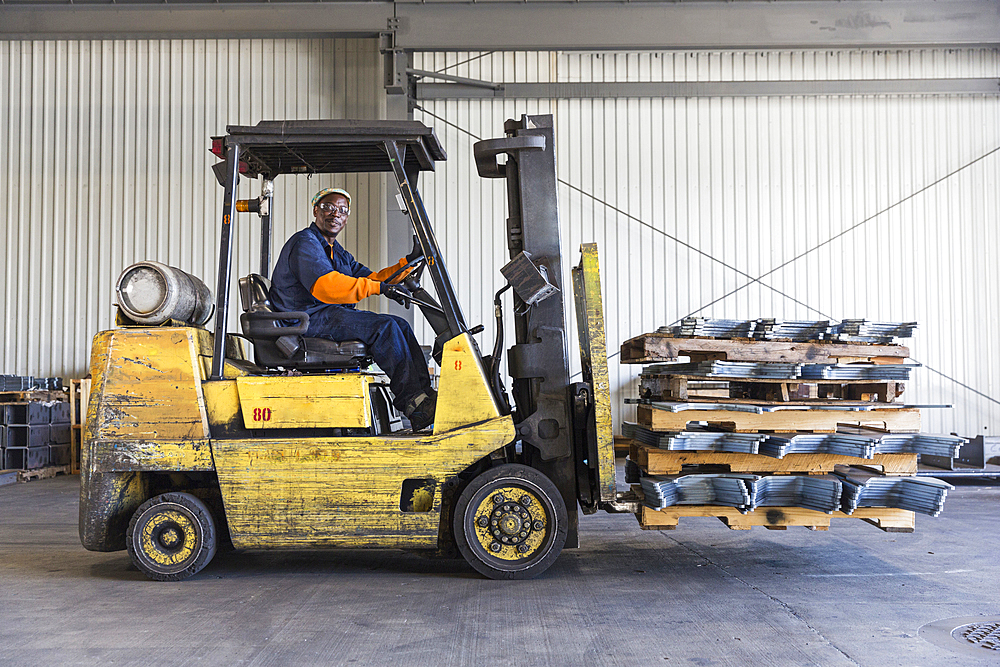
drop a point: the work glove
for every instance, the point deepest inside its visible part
(397, 293)
(416, 252)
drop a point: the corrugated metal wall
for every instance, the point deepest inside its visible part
(104, 160)
(876, 207)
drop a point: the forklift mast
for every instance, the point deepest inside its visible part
(554, 418)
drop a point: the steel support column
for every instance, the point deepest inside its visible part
(225, 260)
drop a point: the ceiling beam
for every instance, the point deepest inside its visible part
(655, 89)
(436, 25)
(799, 24)
(170, 20)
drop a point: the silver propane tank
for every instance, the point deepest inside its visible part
(152, 293)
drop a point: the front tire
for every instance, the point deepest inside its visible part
(510, 522)
(171, 537)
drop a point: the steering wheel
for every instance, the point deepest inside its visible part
(416, 266)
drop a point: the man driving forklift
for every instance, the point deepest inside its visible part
(316, 274)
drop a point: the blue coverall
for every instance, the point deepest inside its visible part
(306, 258)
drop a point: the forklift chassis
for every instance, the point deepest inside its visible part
(189, 446)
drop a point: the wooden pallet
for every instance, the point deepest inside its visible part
(783, 421)
(889, 519)
(79, 399)
(42, 395)
(685, 388)
(655, 461)
(42, 473)
(654, 348)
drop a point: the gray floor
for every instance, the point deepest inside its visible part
(699, 595)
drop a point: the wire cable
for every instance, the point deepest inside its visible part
(843, 233)
(780, 266)
(673, 238)
(467, 60)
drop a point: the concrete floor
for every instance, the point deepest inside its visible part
(699, 595)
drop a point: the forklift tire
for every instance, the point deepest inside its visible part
(510, 522)
(171, 537)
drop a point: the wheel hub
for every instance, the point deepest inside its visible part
(170, 537)
(168, 540)
(510, 523)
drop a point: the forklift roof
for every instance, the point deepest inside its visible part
(273, 147)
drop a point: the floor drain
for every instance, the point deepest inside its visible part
(969, 635)
(984, 635)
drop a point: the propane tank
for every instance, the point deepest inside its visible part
(152, 293)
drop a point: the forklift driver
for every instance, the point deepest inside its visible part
(315, 274)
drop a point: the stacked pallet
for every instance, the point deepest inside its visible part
(34, 425)
(79, 399)
(760, 402)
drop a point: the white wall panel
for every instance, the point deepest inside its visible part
(860, 206)
(104, 159)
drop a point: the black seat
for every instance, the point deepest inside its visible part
(279, 345)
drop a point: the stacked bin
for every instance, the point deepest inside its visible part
(34, 435)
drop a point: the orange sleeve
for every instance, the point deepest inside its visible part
(336, 287)
(389, 270)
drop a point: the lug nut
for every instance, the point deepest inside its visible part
(495, 547)
(522, 548)
(498, 498)
(483, 521)
(537, 525)
(525, 500)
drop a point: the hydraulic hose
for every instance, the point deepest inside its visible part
(498, 388)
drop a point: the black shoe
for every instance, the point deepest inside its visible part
(421, 414)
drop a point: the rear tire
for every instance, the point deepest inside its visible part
(510, 522)
(171, 537)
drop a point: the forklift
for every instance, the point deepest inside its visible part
(190, 446)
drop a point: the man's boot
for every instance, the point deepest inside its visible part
(420, 410)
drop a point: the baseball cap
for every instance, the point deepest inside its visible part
(331, 191)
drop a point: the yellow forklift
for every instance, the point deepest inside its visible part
(189, 445)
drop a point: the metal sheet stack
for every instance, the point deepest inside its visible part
(840, 444)
(865, 488)
(696, 439)
(774, 436)
(920, 443)
(863, 331)
(820, 493)
(725, 490)
(873, 372)
(850, 330)
(857, 443)
(732, 369)
(710, 328)
(794, 330)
